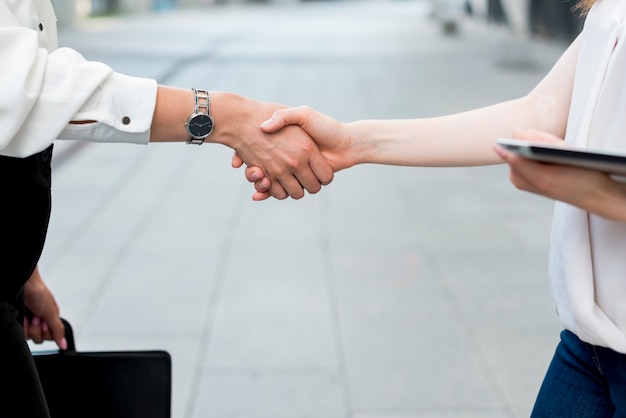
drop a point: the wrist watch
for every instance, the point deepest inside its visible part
(199, 124)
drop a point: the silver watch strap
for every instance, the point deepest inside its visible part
(202, 105)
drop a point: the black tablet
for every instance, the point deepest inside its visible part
(608, 162)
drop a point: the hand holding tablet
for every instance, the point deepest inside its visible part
(607, 162)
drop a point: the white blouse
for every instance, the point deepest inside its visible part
(588, 254)
(44, 88)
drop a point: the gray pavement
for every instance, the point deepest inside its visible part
(393, 293)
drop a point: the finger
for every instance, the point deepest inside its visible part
(263, 185)
(309, 181)
(284, 117)
(521, 168)
(292, 186)
(46, 334)
(502, 152)
(236, 162)
(259, 196)
(254, 174)
(34, 333)
(322, 170)
(272, 125)
(516, 162)
(277, 191)
(537, 136)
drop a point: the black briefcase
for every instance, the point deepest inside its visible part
(107, 384)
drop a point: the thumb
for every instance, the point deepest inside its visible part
(272, 125)
(284, 117)
(502, 152)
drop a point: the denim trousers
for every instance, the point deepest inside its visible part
(583, 381)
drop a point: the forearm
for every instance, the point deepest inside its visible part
(457, 140)
(173, 107)
(467, 138)
(230, 113)
(290, 159)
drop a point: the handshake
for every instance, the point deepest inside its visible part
(288, 151)
(295, 150)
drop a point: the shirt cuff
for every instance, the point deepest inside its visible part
(123, 107)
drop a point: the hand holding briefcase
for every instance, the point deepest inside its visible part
(106, 384)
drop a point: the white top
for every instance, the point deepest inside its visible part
(588, 254)
(43, 88)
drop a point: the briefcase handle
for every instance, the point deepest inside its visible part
(69, 335)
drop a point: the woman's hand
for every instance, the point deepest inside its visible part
(330, 136)
(591, 190)
(45, 323)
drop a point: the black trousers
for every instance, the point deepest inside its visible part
(25, 202)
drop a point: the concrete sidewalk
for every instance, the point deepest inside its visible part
(393, 293)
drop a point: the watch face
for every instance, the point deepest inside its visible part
(200, 126)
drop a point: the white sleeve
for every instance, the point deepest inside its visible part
(43, 91)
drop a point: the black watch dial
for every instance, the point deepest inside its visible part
(200, 126)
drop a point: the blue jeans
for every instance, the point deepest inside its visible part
(583, 381)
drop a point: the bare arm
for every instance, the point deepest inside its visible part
(456, 140)
(290, 159)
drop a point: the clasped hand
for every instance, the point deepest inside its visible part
(288, 158)
(327, 153)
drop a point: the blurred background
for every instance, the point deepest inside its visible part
(395, 292)
(554, 18)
